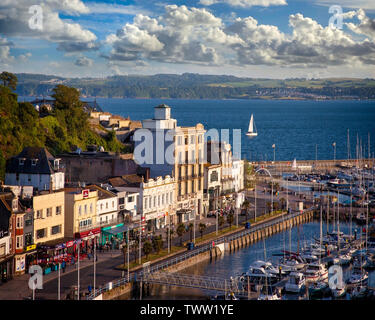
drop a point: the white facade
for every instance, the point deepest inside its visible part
(107, 209)
(4, 246)
(157, 200)
(39, 181)
(238, 174)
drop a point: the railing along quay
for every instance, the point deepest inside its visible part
(136, 276)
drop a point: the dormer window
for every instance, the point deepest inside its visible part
(56, 164)
(34, 162)
(15, 204)
(21, 162)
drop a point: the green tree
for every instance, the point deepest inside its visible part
(283, 203)
(157, 243)
(9, 80)
(66, 97)
(221, 221)
(246, 206)
(147, 248)
(230, 219)
(181, 229)
(202, 227)
(191, 229)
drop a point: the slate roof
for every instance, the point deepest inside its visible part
(43, 165)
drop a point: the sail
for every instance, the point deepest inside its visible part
(251, 124)
(294, 166)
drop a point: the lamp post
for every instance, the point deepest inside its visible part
(274, 152)
(94, 263)
(334, 151)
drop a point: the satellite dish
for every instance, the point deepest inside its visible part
(79, 150)
(101, 149)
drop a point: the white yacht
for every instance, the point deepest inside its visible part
(295, 283)
(316, 272)
(252, 129)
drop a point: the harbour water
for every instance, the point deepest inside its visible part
(295, 127)
(238, 262)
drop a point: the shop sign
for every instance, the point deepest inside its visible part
(70, 244)
(32, 247)
(85, 193)
(89, 233)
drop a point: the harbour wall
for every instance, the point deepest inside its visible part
(218, 250)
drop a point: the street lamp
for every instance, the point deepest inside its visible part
(274, 152)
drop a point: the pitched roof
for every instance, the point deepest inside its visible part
(42, 166)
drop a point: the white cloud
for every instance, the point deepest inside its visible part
(84, 62)
(5, 56)
(245, 3)
(15, 17)
(355, 4)
(24, 57)
(366, 26)
(107, 8)
(195, 36)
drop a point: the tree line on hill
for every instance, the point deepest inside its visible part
(61, 130)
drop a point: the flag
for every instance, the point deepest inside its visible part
(273, 146)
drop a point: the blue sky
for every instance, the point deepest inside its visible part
(252, 38)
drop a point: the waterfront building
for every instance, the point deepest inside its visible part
(106, 206)
(81, 215)
(36, 167)
(96, 165)
(156, 200)
(187, 146)
(49, 217)
(7, 232)
(238, 174)
(212, 185)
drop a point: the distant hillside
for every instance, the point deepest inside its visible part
(196, 86)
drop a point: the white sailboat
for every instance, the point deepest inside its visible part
(251, 132)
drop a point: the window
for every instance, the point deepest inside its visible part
(154, 201)
(130, 199)
(28, 239)
(166, 198)
(58, 210)
(158, 200)
(21, 162)
(149, 202)
(19, 222)
(145, 203)
(186, 140)
(121, 201)
(19, 242)
(90, 207)
(2, 250)
(106, 205)
(101, 206)
(85, 208)
(29, 177)
(113, 204)
(200, 138)
(162, 199)
(49, 212)
(41, 233)
(39, 214)
(192, 139)
(34, 161)
(179, 140)
(79, 210)
(56, 229)
(171, 197)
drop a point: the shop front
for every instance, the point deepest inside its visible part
(88, 238)
(6, 268)
(31, 256)
(156, 220)
(113, 235)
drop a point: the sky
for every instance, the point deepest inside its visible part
(246, 38)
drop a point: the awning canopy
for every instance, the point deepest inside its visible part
(118, 230)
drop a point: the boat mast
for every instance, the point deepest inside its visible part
(321, 230)
(328, 205)
(338, 221)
